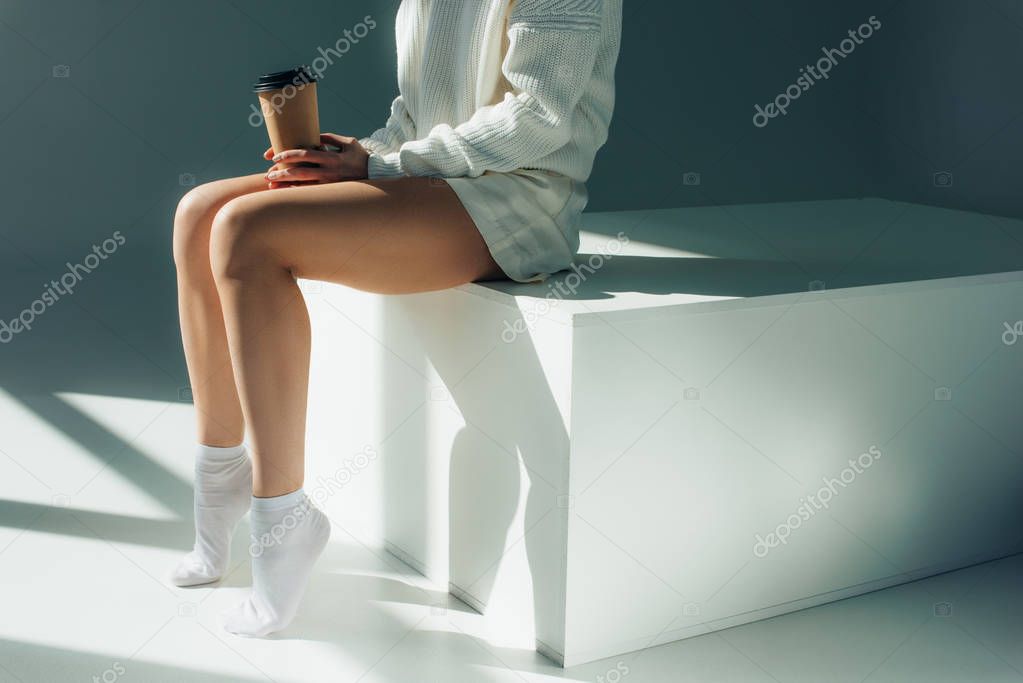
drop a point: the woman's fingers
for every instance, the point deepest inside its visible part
(293, 173)
(278, 186)
(268, 154)
(303, 156)
(336, 140)
(321, 165)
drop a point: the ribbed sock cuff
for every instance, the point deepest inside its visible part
(288, 500)
(217, 454)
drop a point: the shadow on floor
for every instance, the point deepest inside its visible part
(30, 662)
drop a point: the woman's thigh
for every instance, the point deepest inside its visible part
(390, 236)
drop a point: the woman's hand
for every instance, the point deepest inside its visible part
(341, 158)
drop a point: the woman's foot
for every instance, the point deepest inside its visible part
(223, 488)
(288, 535)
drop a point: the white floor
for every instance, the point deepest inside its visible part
(94, 500)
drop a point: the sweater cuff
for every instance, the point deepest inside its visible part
(385, 165)
(370, 145)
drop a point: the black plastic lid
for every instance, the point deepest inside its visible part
(300, 75)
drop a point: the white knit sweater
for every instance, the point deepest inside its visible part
(488, 87)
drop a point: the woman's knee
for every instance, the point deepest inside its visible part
(192, 221)
(240, 239)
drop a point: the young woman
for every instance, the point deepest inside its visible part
(478, 174)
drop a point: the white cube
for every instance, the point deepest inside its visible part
(731, 413)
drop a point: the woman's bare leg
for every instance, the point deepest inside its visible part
(403, 235)
(389, 236)
(218, 411)
(223, 473)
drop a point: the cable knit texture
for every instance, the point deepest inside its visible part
(494, 86)
(508, 101)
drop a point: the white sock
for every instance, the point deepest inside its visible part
(223, 487)
(288, 535)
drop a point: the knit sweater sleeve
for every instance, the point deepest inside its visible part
(399, 129)
(551, 53)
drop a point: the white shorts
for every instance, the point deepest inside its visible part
(528, 218)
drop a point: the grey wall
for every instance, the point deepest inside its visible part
(165, 84)
(935, 91)
(157, 93)
(945, 96)
(156, 90)
(689, 77)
